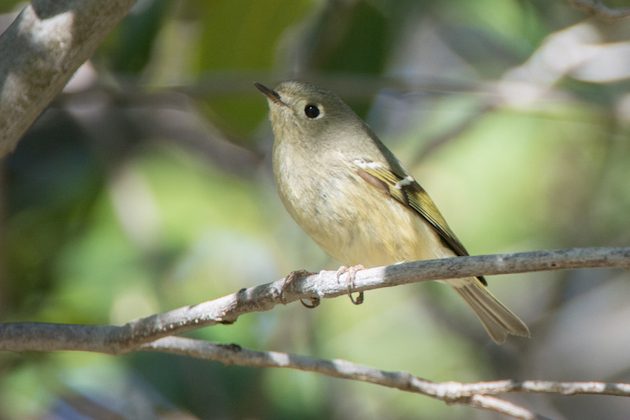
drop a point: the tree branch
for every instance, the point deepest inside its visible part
(41, 50)
(438, 141)
(599, 9)
(150, 333)
(25, 336)
(478, 394)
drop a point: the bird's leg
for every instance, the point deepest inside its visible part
(351, 273)
(290, 279)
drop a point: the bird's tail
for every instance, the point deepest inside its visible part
(498, 320)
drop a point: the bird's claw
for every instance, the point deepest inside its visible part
(290, 279)
(351, 273)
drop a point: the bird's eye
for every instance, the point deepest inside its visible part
(311, 111)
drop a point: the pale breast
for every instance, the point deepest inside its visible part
(351, 220)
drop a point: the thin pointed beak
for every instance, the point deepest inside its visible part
(270, 93)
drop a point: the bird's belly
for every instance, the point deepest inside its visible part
(357, 224)
(390, 234)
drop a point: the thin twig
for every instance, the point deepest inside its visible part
(232, 354)
(478, 394)
(440, 140)
(28, 336)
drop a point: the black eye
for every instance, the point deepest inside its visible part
(311, 111)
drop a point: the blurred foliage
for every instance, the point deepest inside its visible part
(146, 186)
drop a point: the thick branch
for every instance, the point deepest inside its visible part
(599, 9)
(475, 394)
(41, 50)
(227, 309)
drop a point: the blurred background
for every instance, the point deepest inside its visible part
(146, 186)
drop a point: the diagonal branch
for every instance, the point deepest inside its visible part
(478, 394)
(440, 140)
(27, 336)
(41, 50)
(232, 354)
(599, 9)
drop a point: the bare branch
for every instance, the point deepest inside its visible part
(225, 310)
(151, 333)
(41, 50)
(478, 394)
(233, 354)
(437, 142)
(599, 9)
(502, 406)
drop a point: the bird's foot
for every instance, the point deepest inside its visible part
(291, 278)
(351, 273)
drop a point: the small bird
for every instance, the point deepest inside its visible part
(352, 196)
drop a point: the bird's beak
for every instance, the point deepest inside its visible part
(271, 94)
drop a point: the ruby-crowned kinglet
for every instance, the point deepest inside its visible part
(352, 196)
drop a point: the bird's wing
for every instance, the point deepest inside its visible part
(404, 189)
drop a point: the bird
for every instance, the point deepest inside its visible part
(353, 197)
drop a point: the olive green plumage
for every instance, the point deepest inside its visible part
(352, 196)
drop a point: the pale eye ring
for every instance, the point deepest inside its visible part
(311, 111)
